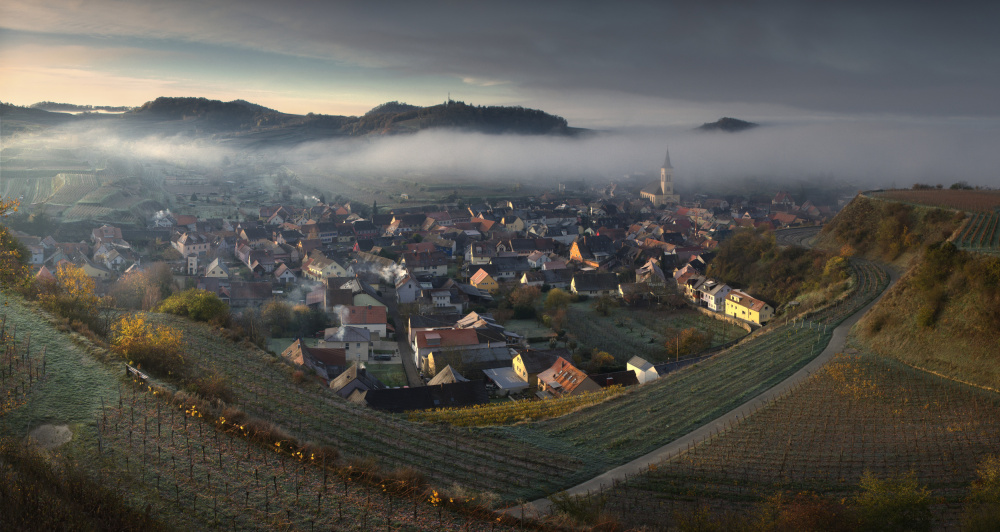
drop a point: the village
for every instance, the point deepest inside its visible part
(443, 302)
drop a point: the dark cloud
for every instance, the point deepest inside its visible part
(907, 58)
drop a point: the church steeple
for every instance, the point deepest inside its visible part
(667, 177)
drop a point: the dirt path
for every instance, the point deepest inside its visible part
(640, 465)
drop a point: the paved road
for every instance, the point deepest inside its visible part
(720, 424)
(405, 351)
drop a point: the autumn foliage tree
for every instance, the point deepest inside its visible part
(72, 296)
(13, 255)
(143, 289)
(158, 348)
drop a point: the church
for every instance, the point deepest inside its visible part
(664, 193)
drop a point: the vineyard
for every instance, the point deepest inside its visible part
(19, 371)
(479, 461)
(636, 423)
(69, 188)
(981, 233)
(184, 461)
(513, 411)
(28, 190)
(860, 413)
(961, 200)
(210, 472)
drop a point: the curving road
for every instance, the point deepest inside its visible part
(541, 507)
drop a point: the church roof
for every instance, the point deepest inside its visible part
(666, 163)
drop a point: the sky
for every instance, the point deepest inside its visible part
(598, 64)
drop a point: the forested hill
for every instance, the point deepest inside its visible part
(241, 118)
(459, 115)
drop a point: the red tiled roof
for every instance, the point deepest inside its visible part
(447, 338)
(355, 315)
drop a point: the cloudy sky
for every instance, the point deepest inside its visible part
(599, 64)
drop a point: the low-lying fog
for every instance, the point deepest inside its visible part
(869, 154)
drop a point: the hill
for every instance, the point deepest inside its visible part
(74, 108)
(728, 125)
(17, 119)
(944, 314)
(240, 119)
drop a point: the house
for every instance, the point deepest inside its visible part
(217, 269)
(430, 263)
(564, 379)
(354, 378)
(595, 284)
(533, 278)
(528, 363)
(426, 342)
(191, 243)
(106, 234)
(355, 341)
(713, 295)
(95, 270)
(537, 258)
(408, 290)
(651, 274)
(510, 267)
(592, 250)
(321, 267)
(743, 306)
(371, 317)
(643, 369)
(248, 295)
(283, 274)
(484, 281)
(326, 362)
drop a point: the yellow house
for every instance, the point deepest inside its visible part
(321, 267)
(741, 305)
(484, 281)
(95, 271)
(217, 269)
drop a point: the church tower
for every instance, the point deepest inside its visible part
(667, 177)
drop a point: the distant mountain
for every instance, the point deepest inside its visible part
(729, 125)
(73, 108)
(17, 119)
(255, 125)
(244, 119)
(393, 107)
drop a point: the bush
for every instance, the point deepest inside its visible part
(199, 305)
(157, 348)
(892, 504)
(982, 506)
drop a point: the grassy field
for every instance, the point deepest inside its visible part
(391, 375)
(860, 413)
(74, 383)
(625, 332)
